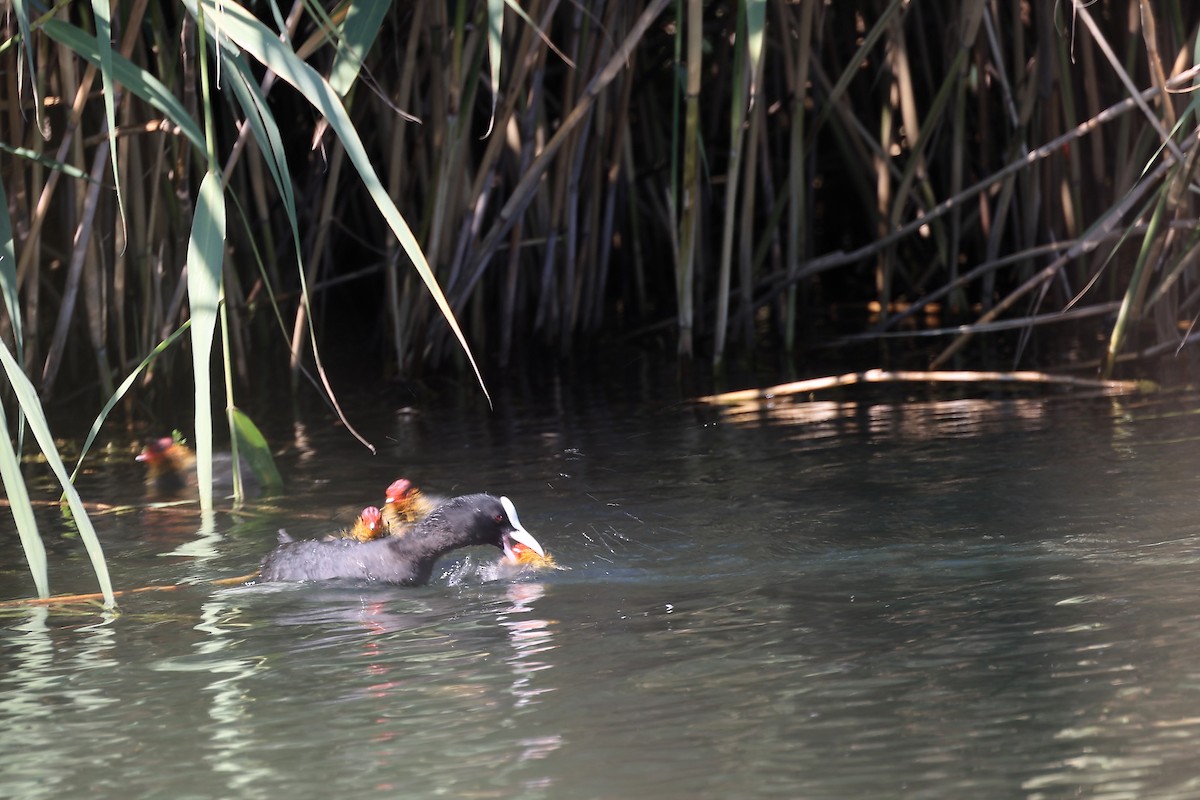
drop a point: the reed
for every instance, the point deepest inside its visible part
(518, 178)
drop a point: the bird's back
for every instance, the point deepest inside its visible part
(318, 560)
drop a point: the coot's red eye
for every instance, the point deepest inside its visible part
(499, 518)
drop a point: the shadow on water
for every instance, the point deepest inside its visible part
(869, 597)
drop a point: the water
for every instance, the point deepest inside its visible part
(929, 599)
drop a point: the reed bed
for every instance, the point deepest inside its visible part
(504, 179)
(580, 169)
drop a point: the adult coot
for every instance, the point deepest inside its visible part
(472, 519)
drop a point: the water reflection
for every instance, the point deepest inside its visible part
(231, 744)
(399, 675)
(39, 693)
(530, 638)
(819, 420)
(206, 543)
(968, 598)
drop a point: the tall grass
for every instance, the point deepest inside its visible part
(881, 153)
(514, 178)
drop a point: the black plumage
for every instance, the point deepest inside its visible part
(476, 519)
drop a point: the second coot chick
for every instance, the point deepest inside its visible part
(171, 471)
(473, 519)
(405, 505)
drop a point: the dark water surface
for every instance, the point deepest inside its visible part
(931, 599)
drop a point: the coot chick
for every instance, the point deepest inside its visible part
(523, 556)
(405, 505)
(460, 522)
(368, 526)
(171, 470)
(170, 466)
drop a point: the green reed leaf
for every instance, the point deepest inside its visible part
(495, 35)
(206, 253)
(36, 419)
(22, 510)
(236, 23)
(756, 12)
(266, 133)
(100, 11)
(253, 447)
(21, 9)
(364, 18)
(129, 75)
(8, 272)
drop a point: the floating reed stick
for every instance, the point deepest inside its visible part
(924, 376)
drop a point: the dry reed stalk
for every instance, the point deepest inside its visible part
(446, 96)
(48, 189)
(22, 187)
(995, 215)
(83, 235)
(740, 102)
(745, 226)
(821, 264)
(523, 193)
(1107, 223)
(640, 295)
(558, 271)
(129, 163)
(589, 53)
(1169, 199)
(689, 186)
(152, 242)
(396, 180)
(93, 597)
(455, 211)
(798, 207)
(925, 376)
(317, 250)
(617, 136)
(516, 130)
(1025, 323)
(1186, 256)
(971, 17)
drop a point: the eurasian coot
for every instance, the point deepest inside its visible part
(473, 519)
